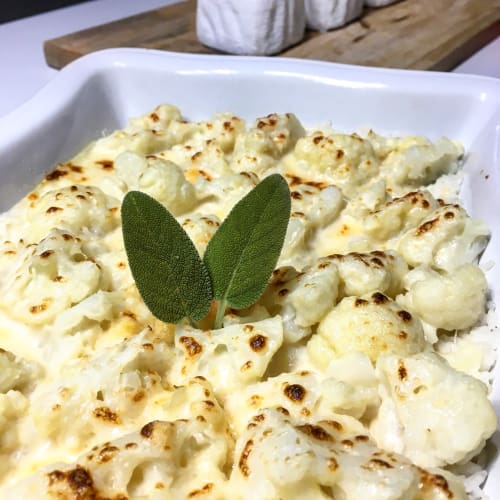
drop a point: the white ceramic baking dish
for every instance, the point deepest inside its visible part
(98, 93)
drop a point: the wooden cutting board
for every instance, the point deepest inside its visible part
(417, 34)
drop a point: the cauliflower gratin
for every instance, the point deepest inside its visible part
(362, 372)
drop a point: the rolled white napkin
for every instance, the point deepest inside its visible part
(252, 27)
(323, 15)
(379, 3)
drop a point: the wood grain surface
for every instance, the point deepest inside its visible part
(416, 34)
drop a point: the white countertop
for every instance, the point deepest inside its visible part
(23, 69)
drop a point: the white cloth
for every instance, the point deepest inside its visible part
(323, 15)
(252, 27)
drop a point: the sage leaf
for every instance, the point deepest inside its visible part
(165, 265)
(243, 252)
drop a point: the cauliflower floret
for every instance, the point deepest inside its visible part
(200, 229)
(399, 215)
(182, 458)
(230, 358)
(362, 273)
(279, 456)
(73, 208)
(221, 194)
(383, 145)
(305, 393)
(158, 119)
(221, 130)
(369, 199)
(146, 134)
(430, 412)
(163, 180)
(420, 164)
(121, 382)
(16, 373)
(445, 240)
(301, 299)
(319, 203)
(268, 140)
(346, 161)
(373, 324)
(449, 301)
(13, 406)
(54, 276)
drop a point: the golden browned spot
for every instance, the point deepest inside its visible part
(75, 168)
(208, 404)
(129, 314)
(79, 482)
(192, 347)
(107, 453)
(323, 265)
(283, 411)
(449, 215)
(227, 126)
(207, 488)
(295, 392)
(403, 335)
(52, 210)
(259, 418)
(46, 254)
(32, 196)
(434, 481)
(106, 164)
(206, 176)
(56, 476)
(73, 188)
(138, 396)
(39, 308)
(405, 316)
(159, 485)
(248, 328)
(344, 229)
(106, 414)
(334, 424)
(148, 429)
(81, 196)
(55, 174)
(362, 438)
(347, 443)
(201, 418)
(339, 154)
(316, 432)
(425, 204)
(377, 463)
(360, 302)
(67, 237)
(283, 292)
(332, 464)
(317, 139)
(9, 252)
(379, 298)
(402, 372)
(154, 117)
(130, 446)
(246, 366)
(426, 226)
(243, 461)
(296, 195)
(377, 262)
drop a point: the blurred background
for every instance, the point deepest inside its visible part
(14, 9)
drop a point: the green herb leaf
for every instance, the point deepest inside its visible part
(243, 252)
(166, 267)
